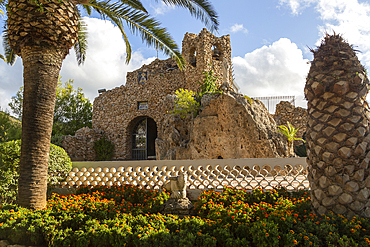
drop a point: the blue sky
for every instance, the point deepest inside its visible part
(269, 40)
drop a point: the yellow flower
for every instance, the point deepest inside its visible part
(139, 235)
(291, 231)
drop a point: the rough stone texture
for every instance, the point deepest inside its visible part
(181, 207)
(80, 147)
(338, 130)
(116, 111)
(297, 116)
(228, 126)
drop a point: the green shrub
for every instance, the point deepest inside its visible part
(127, 216)
(185, 103)
(57, 140)
(104, 149)
(59, 166)
(208, 86)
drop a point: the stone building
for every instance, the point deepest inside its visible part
(131, 115)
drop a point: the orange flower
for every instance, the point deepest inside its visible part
(267, 234)
(295, 242)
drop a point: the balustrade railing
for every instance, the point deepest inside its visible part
(202, 174)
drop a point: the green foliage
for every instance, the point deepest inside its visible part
(209, 85)
(128, 216)
(72, 109)
(10, 129)
(59, 166)
(104, 149)
(16, 104)
(57, 140)
(289, 132)
(249, 99)
(185, 103)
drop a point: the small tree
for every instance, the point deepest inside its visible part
(208, 85)
(290, 133)
(185, 103)
(72, 109)
(104, 149)
(10, 129)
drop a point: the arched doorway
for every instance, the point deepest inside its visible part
(144, 134)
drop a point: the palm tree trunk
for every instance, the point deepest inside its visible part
(41, 71)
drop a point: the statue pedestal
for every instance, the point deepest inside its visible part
(179, 206)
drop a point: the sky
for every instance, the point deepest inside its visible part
(270, 41)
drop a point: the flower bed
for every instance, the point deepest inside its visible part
(128, 216)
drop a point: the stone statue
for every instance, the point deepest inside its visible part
(178, 203)
(177, 186)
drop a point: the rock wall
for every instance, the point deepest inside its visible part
(297, 116)
(80, 147)
(118, 111)
(228, 126)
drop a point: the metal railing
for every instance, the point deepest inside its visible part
(271, 101)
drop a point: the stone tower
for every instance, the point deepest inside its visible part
(205, 52)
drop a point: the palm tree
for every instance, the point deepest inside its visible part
(290, 133)
(338, 130)
(42, 33)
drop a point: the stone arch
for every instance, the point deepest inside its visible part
(193, 57)
(141, 134)
(217, 52)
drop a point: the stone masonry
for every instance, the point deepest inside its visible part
(297, 116)
(117, 112)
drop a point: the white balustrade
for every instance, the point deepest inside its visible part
(202, 174)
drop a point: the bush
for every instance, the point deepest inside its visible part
(185, 103)
(104, 149)
(127, 216)
(59, 166)
(208, 86)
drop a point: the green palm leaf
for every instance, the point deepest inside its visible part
(289, 132)
(81, 46)
(200, 9)
(139, 23)
(10, 56)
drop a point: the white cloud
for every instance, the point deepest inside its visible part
(105, 65)
(349, 18)
(161, 8)
(11, 78)
(238, 28)
(296, 6)
(275, 70)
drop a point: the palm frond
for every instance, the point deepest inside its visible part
(136, 4)
(141, 24)
(200, 9)
(289, 132)
(10, 56)
(87, 9)
(81, 45)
